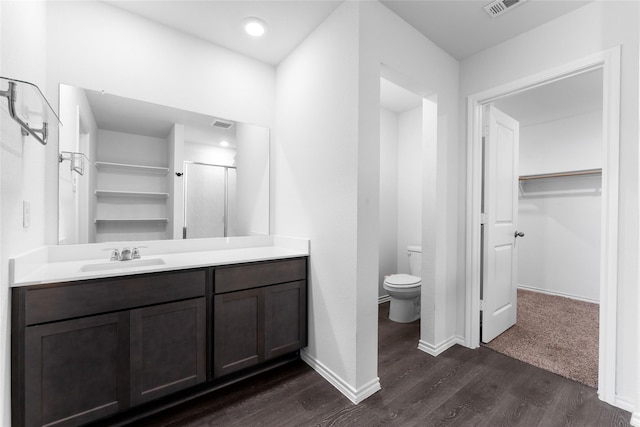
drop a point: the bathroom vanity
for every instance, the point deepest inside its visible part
(127, 345)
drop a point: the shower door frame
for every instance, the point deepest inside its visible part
(186, 194)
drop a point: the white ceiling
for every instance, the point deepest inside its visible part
(126, 115)
(554, 101)
(220, 22)
(460, 27)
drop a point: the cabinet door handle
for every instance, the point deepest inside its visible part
(518, 234)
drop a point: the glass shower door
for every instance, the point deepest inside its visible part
(205, 201)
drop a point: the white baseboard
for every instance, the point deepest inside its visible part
(384, 298)
(356, 396)
(558, 294)
(435, 350)
(635, 419)
(625, 404)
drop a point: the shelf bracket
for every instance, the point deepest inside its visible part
(42, 134)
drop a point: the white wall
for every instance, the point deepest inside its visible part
(571, 143)
(327, 173)
(560, 253)
(315, 182)
(207, 153)
(388, 196)
(409, 184)
(253, 172)
(592, 28)
(129, 148)
(22, 170)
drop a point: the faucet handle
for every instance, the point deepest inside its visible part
(135, 252)
(115, 254)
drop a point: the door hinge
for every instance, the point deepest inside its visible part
(483, 218)
(483, 305)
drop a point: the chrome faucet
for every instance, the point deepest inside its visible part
(125, 254)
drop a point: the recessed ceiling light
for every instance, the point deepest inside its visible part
(254, 27)
(224, 143)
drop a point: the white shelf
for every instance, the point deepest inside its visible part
(561, 174)
(147, 194)
(98, 220)
(132, 168)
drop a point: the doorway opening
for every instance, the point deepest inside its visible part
(556, 202)
(609, 62)
(408, 167)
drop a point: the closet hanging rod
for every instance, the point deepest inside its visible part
(561, 174)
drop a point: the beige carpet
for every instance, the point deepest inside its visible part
(554, 333)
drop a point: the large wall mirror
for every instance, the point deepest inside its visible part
(131, 170)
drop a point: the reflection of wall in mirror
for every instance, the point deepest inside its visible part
(252, 180)
(79, 134)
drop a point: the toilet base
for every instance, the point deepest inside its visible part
(404, 310)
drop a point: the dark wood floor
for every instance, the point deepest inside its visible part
(461, 387)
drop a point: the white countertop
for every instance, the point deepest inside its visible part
(51, 264)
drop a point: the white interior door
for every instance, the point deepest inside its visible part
(499, 273)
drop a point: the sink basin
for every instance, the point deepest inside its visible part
(122, 265)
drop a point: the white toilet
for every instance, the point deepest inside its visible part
(404, 289)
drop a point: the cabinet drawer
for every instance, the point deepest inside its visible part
(247, 276)
(79, 299)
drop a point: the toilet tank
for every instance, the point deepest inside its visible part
(415, 260)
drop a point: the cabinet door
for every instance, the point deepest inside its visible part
(76, 370)
(285, 318)
(238, 331)
(168, 348)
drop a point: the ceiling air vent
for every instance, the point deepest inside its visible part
(221, 124)
(499, 7)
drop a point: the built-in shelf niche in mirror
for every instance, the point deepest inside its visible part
(29, 108)
(156, 172)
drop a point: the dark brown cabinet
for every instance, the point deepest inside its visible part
(68, 370)
(285, 318)
(106, 349)
(168, 348)
(73, 370)
(262, 322)
(238, 331)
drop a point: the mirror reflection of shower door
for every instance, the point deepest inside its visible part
(231, 202)
(206, 200)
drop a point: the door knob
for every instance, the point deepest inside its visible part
(518, 234)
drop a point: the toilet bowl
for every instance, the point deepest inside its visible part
(404, 290)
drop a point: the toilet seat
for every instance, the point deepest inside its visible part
(402, 281)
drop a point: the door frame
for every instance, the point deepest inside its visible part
(609, 61)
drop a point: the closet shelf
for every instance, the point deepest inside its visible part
(104, 220)
(146, 194)
(132, 168)
(29, 108)
(561, 174)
